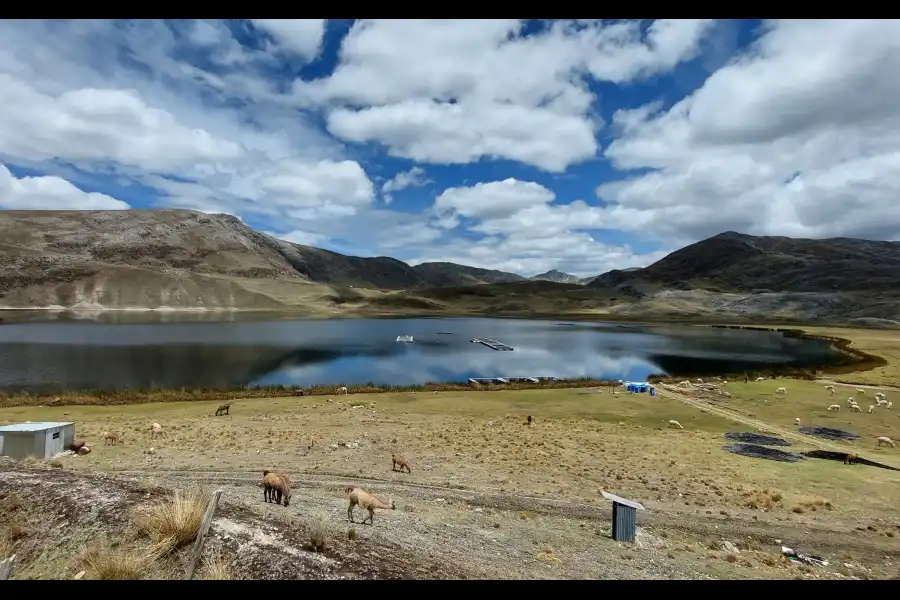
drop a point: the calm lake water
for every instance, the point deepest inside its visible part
(48, 356)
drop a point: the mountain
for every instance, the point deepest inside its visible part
(182, 258)
(557, 277)
(740, 264)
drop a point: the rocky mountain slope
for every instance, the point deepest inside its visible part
(182, 258)
(737, 263)
(557, 277)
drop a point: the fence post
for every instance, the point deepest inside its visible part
(201, 534)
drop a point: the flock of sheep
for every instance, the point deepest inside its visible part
(880, 401)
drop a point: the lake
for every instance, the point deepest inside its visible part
(226, 351)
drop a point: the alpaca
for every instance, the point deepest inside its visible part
(342, 390)
(884, 441)
(276, 488)
(112, 438)
(367, 501)
(851, 459)
(225, 408)
(400, 460)
(157, 430)
(674, 423)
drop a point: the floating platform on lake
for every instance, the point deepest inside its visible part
(407, 339)
(492, 344)
(490, 380)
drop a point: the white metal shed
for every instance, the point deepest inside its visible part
(43, 440)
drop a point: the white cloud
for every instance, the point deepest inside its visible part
(302, 36)
(798, 137)
(415, 177)
(456, 91)
(50, 193)
(297, 236)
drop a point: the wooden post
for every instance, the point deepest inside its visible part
(201, 534)
(6, 567)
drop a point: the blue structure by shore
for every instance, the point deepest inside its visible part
(640, 387)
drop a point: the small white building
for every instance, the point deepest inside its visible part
(43, 440)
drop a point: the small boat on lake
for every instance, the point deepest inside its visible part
(407, 339)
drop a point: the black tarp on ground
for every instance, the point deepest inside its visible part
(829, 434)
(841, 456)
(756, 451)
(755, 438)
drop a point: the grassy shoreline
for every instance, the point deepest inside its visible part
(855, 360)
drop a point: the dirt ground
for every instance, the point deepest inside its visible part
(489, 496)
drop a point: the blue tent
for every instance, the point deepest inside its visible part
(638, 387)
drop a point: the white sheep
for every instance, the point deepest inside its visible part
(699, 380)
(851, 400)
(836, 407)
(760, 378)
(797, 421)
(342, 390)
(889, 405)
(856, 408)
(871, 408)
(884, 441)
(829, 387)
(861, 391)
(684, 384)
(674, 423)
(881, 402)
(832, 393)
(879, 395)
(156, 429)
(781, 390)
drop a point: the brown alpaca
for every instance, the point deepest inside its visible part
(530, 420)
(276, 487)
(400, 460)
(112, 438)
(225, 408)
(367, 501)
(851, 459)
(77, 445)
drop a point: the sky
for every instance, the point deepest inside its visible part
(522, 146)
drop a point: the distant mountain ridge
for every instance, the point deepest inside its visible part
(557, 277)
(738, 263)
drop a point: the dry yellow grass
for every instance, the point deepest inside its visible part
(174, 522)
(107, 561)
(318, 534)
(216, 567)
(880, 342)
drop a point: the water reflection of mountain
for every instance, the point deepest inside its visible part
(72, 355)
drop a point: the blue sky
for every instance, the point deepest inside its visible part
(516, 145)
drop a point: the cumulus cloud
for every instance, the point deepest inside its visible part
(49, 193)
(302, 36)
(795, 137)
(456, 91)
(415, 177)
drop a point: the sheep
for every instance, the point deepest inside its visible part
(829, 387)
(399, 460)
(851, 459)
(276, 488)
(342, 390)
(836, 407)
(684, 384)
(367, 501)
(112, 438)
(871, 408)
(832, 393)
(861, 391)
(797, 421)
(881, 402)
(225, 408)
(156, 430)
(674, 423)
(760, 379)
(879, 395)
(851, 400)
(889, 405)
(884, 440)
(699, 380)
(856, 408)
(781, 390)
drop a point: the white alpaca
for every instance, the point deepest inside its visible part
(781, 390)
(342, 390)
(674, 423)
(884, 441)
(836, 407)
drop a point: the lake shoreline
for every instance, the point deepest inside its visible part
(855, 360)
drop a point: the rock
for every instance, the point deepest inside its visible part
(730, 548)
(79, 575)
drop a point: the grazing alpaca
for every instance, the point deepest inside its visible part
(836, 407)
(112, 438)
(400, 460)
(855, 407)
(781, 390)
(674, 423)
(224, 409)
(342, 390)
(276, 487)
(530, 420)
(851, 459)
(157, 430)
(367, 501)
(884, 441)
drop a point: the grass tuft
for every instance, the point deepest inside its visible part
(174, 522)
